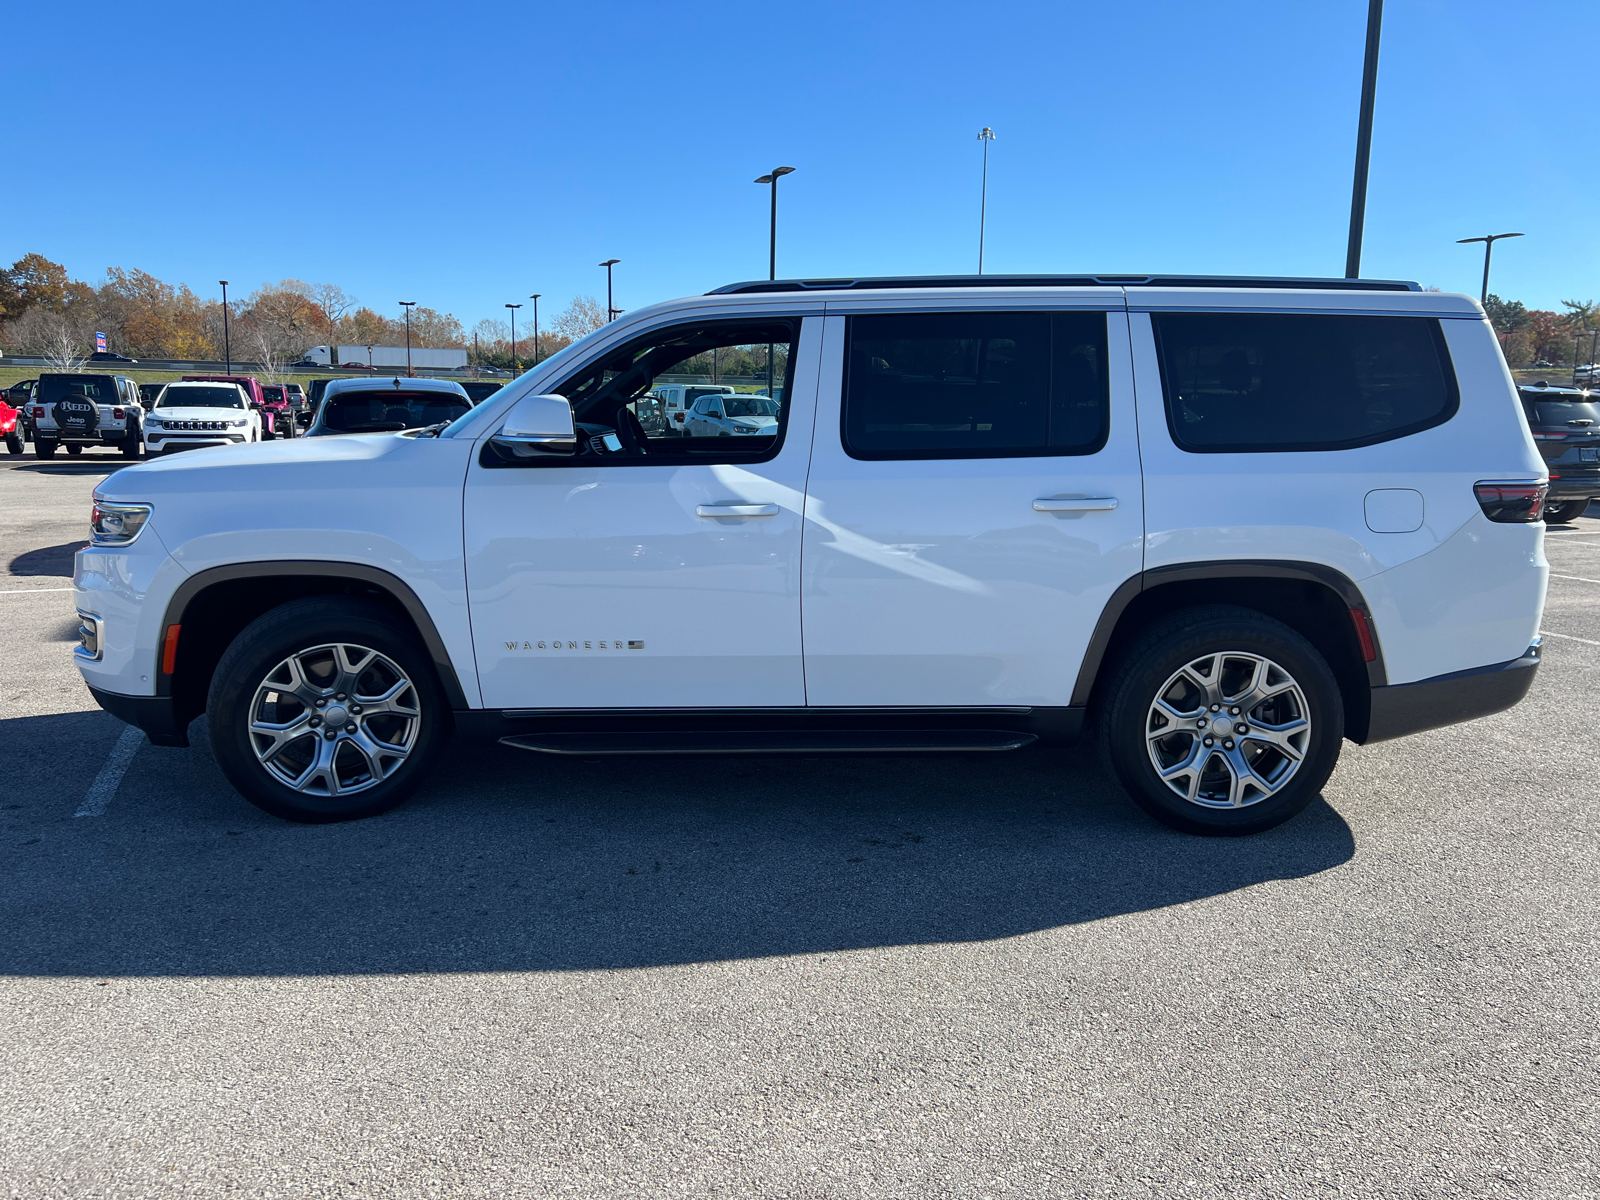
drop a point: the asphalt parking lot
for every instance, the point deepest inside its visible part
(886, 977)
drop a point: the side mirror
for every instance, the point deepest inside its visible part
(537, 427)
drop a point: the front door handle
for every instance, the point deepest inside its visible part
(736, 510)
(1076, 504)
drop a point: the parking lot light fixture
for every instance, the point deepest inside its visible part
(535, 299)
(611, 310)
(772, 237)
(407, 305)
(227, 350)
(513, 308)
(1488, 249)
(985, 135)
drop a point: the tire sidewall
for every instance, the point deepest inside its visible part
(1151, 662)
(272, 638)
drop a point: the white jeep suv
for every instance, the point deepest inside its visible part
(1225, 523)
(188, 416)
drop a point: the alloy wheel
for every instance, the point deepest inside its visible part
(1228, 730)
(334, 719)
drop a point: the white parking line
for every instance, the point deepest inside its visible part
(31, 591)
(1578, 578)
(106, 783)
(1569, 637)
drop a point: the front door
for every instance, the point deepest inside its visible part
(651, 571)
(974, 501)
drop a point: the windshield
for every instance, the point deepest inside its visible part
(102, 389)
(749, 406)
(187, 396)
(389, 411)
(1563, 412)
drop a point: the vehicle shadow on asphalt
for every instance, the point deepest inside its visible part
(512, 861)
(49, 560)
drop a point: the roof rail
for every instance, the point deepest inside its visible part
(1027, 281)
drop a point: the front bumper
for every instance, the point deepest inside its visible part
(166, 442)
(1408, 708)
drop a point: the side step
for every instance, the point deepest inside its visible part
(817, 741)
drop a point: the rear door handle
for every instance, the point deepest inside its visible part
(1076, 504)
(736, 510)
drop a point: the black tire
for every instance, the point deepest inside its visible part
(130, 444)
(295, 628)
(74, 448)
(1561, 514)
(15, 444)
(44, 447)
(1141, 675)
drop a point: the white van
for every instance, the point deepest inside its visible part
(1225, 524)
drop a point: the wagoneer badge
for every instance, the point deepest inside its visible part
(559, 644)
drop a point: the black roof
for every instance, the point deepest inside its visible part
(1023, 281)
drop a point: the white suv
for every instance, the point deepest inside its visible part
(1224, 523)
(189, 416)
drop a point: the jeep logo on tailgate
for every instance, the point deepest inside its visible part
(76, 414)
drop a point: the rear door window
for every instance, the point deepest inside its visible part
(975, 385)
(1241, 382)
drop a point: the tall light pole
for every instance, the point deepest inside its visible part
(227, 350)
(535, 299)
(1488, 249)
(1369, 91)
(406, 304)
(611, 312)
(985, 135)
(513, 308)
(772, 240)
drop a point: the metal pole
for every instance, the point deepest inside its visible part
(985, 135)
(1369, 90)
(227, 348)
(1488, 249)
(772, 237)
(513, 308)
(406, 304)
(535, 299)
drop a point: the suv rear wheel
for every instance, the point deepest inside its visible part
(1222, 721)
(322, 710)
(44, 447)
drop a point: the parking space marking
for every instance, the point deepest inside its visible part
(1569, 637)
(106, 783)
(31, 591)
(1578, 578)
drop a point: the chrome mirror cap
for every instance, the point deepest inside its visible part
(538, 425)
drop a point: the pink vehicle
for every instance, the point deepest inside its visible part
(275, 418)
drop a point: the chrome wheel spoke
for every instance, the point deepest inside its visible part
(1248, 759)
(309, 755)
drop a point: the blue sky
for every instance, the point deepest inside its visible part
(466, 155)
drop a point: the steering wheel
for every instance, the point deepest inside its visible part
(630, 433)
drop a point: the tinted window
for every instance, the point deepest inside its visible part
(1291, 381)
(199, 396)
(388, 411)
(1559, 412)
(975, 385)
(102, 389)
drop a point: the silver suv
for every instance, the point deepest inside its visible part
(78, 410)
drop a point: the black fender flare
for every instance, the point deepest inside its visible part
(1240, 568)
(355, 572)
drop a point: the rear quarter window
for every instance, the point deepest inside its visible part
(1263, 382)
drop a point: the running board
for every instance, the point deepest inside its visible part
(820, 741)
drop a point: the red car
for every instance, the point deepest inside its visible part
(11, 426)
(275, 419)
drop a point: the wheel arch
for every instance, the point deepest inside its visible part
(215, 605)
(1313, 599)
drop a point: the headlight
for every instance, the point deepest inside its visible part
(117, 524)
(240, 424)
(153, 422)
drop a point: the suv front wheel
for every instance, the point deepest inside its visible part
(322, 710)
(1222, 721)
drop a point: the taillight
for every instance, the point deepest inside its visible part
(117, 414)
(38, 412)
(1511, 503)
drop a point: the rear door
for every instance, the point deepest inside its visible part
(974, 499)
